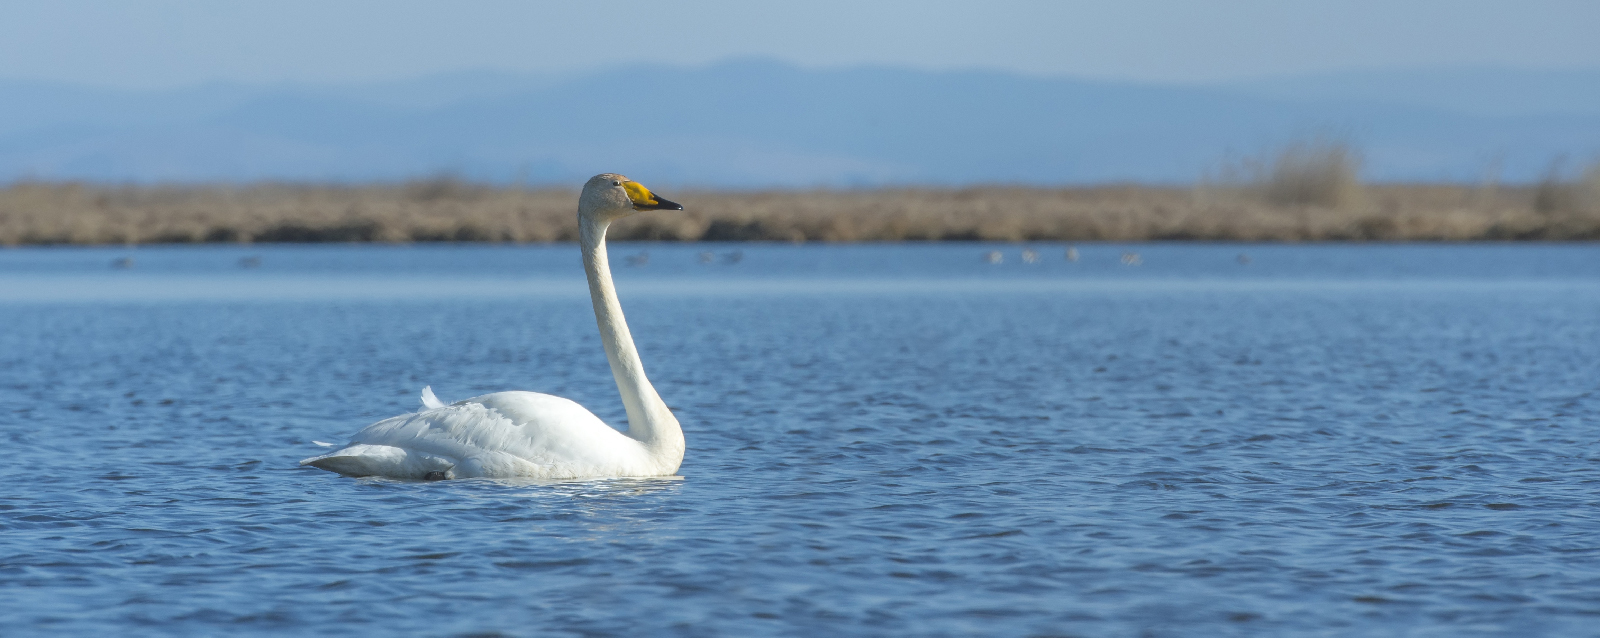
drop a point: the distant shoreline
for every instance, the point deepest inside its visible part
(39, 213)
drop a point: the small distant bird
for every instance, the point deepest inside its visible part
(123, 263)
(1242, 259)
(1029, 256)
(1072, 253)
(707, 257)
(994, 257)
(640, 259)
(250, 262)
(733, 257)
(1132, 259)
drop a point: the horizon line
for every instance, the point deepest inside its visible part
(558, 75)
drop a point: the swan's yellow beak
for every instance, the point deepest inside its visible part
(643, 199)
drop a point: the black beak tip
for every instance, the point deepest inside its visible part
(662, 203)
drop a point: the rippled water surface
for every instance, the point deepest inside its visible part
(883, 440)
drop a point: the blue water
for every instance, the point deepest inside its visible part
(1375, 440)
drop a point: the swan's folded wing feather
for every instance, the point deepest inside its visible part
(430, 401)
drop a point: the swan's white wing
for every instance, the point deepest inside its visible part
(430, 401)
(505, 434)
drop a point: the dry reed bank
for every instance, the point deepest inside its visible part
(1314, 209)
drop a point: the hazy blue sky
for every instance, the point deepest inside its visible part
(171, 42)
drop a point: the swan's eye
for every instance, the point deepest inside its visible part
(616, 183)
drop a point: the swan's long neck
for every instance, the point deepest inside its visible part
(649, 420)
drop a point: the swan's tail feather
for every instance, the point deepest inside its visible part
(358, 459)
(428, 400)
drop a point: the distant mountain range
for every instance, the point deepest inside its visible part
(758, 123)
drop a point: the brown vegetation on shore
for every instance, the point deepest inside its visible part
(1308, 193)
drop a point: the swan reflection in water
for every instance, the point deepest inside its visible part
(583, 488)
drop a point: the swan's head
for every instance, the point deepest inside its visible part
(610, 196)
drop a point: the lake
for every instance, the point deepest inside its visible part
(1153, 440)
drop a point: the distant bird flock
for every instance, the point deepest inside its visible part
(642, 258)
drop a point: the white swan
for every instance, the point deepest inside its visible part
(527, 434)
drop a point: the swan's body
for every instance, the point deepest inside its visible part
(528, 434)
(505, 434)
